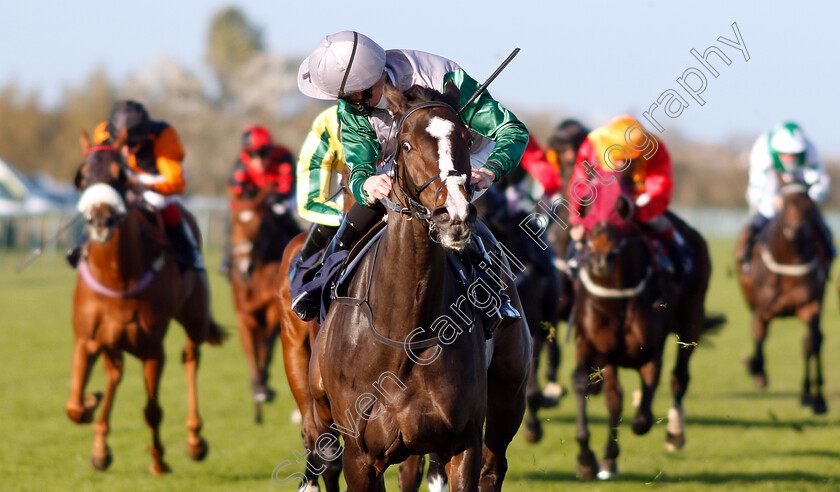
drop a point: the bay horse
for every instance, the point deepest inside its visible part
(127, 290)
(297, 338)
(539, 291)
(623, 314)
(438, 385)
(258, 238)
(788, 270)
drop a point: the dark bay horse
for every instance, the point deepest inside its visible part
(788, 271)
(128, 289)
(258, 238)
(392, 371)
(623, 315)
(539, 291)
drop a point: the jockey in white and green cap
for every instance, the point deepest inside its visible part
(352, 68)
(784, 152)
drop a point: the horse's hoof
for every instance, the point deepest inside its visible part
(806, 401)
(608, 472)
(760, 381)
(642, 424)
(674, 442)
(159, 469)
(533, 431)
(101, 463)
(586, 472)
(264, 395)
(819, 406)
(198, 451)
(552, 394)
(89, 406)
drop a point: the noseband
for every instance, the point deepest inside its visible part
(414, 208)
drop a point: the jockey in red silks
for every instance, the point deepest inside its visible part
(262, 163)
(623, 152)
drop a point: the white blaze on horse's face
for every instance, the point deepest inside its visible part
(95, 196)
(456, 203)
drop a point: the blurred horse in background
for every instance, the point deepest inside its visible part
(786, 277)
(128, 289)
(258, 236)
(624, 310)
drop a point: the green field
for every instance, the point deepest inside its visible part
(739, 438)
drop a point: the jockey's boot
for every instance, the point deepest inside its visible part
(75, 253)
(681, 255)
(318, 237)
(308, 303)
(494, 317)
(186, 248)
(749, 244)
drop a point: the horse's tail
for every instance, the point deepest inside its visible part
(216, 335)
(714, 322)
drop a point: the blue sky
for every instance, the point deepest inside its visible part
(587, 59)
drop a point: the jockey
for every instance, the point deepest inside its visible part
(321, 160)
(564, 144)
(153, 154)
(261, 163)
(352, 68)
(649, 168)
(783, 152)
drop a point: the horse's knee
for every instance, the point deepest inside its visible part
(153, 414)
(190, 354)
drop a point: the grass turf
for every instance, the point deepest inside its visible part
(739, 438)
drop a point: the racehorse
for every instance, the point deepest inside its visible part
(788, 270)
(128, 289)
(437, 384)
(624, 313)
(539, 291)
(258, 237)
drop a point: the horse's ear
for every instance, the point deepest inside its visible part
(84, 141)
(452, 94)
(121, 139)
(624, 207)
(397, 102)
(79, 180)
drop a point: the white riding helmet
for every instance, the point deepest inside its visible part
(344, 63)
(787, 138)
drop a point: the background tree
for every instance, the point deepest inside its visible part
(231, 42)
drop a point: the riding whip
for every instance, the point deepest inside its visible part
(489, 79)
(37, 251)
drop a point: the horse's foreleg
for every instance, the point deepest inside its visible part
(614, 397)
(100, 457)
(247, 333)
(587, 464)
(196, 445)
(813, 344)
(411, 473)
(507, 379)
(359, 473)
(675, 433)
(80, 407)
(533, 428)
(649, 372)
(152, 369)
(756, 363)
(464, 465)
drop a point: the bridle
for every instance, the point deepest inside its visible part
(411, 206)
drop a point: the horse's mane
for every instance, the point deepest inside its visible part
(416, 94)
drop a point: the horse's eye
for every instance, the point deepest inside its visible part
(406, 146)
(469, 143)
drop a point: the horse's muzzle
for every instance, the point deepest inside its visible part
(453, 234)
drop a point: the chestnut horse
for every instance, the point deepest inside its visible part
(258, 237)
(128, 289)
(393, 388)
(624, 313)
(788, 270)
